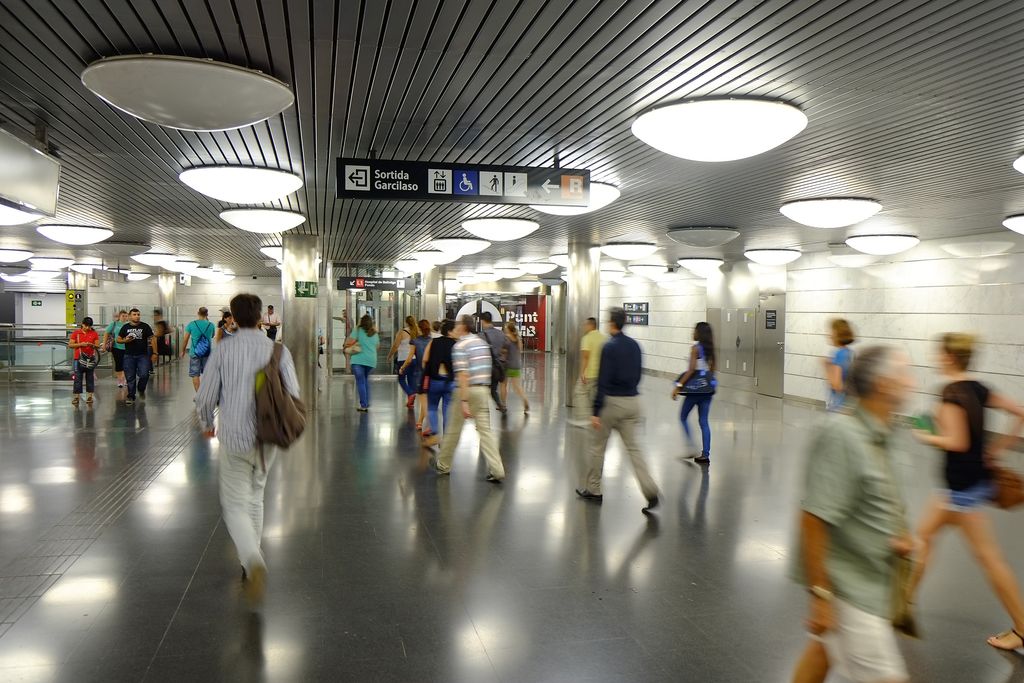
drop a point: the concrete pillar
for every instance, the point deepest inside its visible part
(556, 314)
(167, 283)
(432, 295)
(583, 300)
(298, 317)
(333, 308)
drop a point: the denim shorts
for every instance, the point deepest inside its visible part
(970, 499)
(196, 365)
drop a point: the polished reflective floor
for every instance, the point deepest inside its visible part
(115, 566)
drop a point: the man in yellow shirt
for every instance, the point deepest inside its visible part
(590, 365)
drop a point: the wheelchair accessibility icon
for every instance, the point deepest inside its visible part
(466, 182)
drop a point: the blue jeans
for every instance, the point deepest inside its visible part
(440, 389)
(136, 369)
(408, 380)
(703, 404)
(362, 373)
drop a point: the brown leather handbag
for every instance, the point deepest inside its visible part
(1009, 487)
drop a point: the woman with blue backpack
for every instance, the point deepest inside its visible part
(198, 341)
(697, 383)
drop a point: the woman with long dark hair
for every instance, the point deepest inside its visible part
(400, 352)
(365, 359)
(702, 362)
(413, 366)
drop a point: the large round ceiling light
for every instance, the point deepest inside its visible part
(628, 251)
(187, 93)
(500, 229)
(561, 259)
(882, 245)
(772, 257)
(463, 246)
(138, 277)
(121, 249)
(50, 263)
(155, 258)
(13, 277)
(837, 212)
(274, 252)
(435, 257)
(86, 268)
(508, 272)
(12, 216)
(538, 267)
(703, 237)
(42, 275)
(183, 266)
(263, 220)
(409, 265)
(1019, 164)
(976, 248)
(14, 255)
(702, 267)
(241, 184)
(74, 234)
(719, 129)
(1015, 223)
(601, 195)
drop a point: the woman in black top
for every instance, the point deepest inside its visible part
(437, 367)
(960, 432)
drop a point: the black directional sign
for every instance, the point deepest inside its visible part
(474, 184)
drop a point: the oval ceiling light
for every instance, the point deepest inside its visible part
(138, 277)
(407, 265)
(882, 245)
(831, 212)
(274, 252)
(610, 275)
(1019, 163)
(12, 216)
(187, 93)
(74, 234)
(538, 267)
(702, 267)
(435, 257)
(85, 268)
(500, 229)
(508, 272)
(241, 184)
(629, 251)
(13, 278)
(14, 255)
(649, 270)
(601, 195)
(263, 220)
(703, 237)
(50, 262)
(40, 275)
(121, 249)
(183, 266)
(155, 259)
(204, 272)
(561, 259)
(719, 129)
(1015, 223)
(772, 257)
(463, 246)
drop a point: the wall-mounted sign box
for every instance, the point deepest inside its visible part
(429, 181)
(386, 284)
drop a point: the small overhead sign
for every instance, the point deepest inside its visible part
(376, 283)
(419, 181)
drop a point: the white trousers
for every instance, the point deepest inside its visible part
(243, 478)
(862, 647)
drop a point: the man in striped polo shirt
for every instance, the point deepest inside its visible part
(471, 361)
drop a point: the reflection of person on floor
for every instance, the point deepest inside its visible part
(853, 528)
(229, 383)
(617, 408)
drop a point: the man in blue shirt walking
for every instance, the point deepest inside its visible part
(617, 407)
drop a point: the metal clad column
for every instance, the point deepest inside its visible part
(167, 283)
(332, 301)
(556, 318)
(583, 300)
(432, 296)
(298, 319)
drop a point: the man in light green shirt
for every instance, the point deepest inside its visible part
(590, 367)
(853, 527)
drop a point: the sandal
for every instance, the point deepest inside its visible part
(1004, 634)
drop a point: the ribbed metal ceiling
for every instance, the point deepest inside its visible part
(917, 103)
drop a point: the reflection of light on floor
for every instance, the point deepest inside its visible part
(15, 498)
(175, 473)
(39, 407)
(83, 589)
(158, 499)
(52, 475)
(30, 659)
(535, 485)
(282, 659)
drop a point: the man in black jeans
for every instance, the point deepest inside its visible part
(495, 338)
(138, 338)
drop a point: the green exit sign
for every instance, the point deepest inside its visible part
(37, 302)
(306, 290)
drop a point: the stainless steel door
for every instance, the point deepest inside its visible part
(770, 343)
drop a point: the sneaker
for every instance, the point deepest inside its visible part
(142, 395)
(493, 479)
(702, 460)
(89, 400)
(651, 504)
(74, 401)
(584, 493)
(129, 401)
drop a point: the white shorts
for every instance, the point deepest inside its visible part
(862, 647)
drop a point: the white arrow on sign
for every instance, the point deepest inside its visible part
(548, 186)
